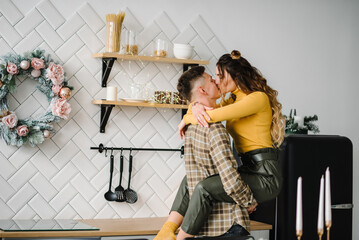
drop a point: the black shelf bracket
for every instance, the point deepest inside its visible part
(105, 114)
(184, 111)
(107, 64)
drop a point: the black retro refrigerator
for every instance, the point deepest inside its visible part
(309, 156)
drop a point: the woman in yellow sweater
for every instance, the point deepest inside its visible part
(254, 121)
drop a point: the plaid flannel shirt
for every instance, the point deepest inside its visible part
(208, 152)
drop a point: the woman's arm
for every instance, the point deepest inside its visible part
(249, 105)
(199, 114)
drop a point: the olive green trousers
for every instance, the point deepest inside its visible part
(260, 170)
(196, 210)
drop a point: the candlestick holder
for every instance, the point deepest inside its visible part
(320, 233)
(299, 234)
(328, 225)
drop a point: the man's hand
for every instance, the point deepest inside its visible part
(252, 208)
(182, 129)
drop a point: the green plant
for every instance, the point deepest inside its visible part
(300, 125)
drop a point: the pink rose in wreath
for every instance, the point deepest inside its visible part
(56, 89)
(22, 130)
(55, 73)
(10, 120)
(61, 108)
(37, 63)
(12, 68)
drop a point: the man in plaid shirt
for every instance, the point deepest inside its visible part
(212, 200)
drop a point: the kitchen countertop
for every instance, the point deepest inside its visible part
(113, 227)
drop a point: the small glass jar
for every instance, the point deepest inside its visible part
(158, 97)
(131, 44)
(163, 97)
(161, 48)
(176, 98)
(167, 97)
(136, 92)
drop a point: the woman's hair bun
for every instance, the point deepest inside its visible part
(235, 54)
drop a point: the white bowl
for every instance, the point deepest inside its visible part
(180, 45)
(182, 51)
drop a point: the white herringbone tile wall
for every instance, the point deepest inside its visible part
(63, 178)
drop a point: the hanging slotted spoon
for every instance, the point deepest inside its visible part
(131, 195)
(119, 190)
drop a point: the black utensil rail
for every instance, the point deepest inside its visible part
(101, 148)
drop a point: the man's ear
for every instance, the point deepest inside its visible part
(201, 90)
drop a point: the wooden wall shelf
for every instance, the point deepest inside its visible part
(149, 58)
(108, 60)
(139, 104)
(106, 108)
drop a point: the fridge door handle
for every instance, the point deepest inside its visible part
(343, 206)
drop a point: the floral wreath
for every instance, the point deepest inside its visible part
(52, 83)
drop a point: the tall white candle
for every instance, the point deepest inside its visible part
(299, 219)
(111, 94)
(328, 201)
(321, 207)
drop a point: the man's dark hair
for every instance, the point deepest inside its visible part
(187, 80)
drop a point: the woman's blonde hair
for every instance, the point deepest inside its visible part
(249, 79)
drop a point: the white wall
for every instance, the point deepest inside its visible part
(307, 50)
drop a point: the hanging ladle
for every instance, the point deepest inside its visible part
(119, 190)
(111, 196)
(131, 195)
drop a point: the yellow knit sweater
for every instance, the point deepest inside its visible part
(249, 120)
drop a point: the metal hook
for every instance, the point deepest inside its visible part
(121, 150)
(111, 151)
(130, 151)
(105, 152)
